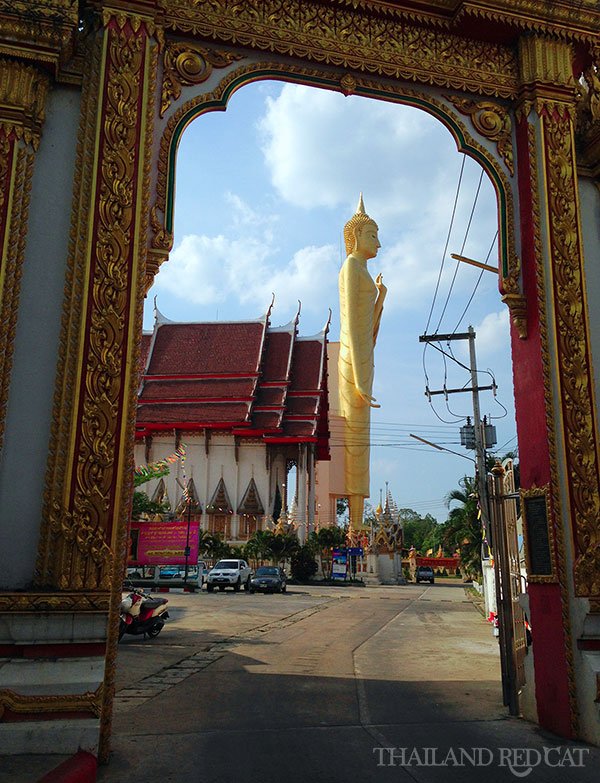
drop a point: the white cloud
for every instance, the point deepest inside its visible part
(208, 270)
(493, 335)
(321, 149)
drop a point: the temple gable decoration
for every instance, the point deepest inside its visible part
(220, 503)
(251, 503)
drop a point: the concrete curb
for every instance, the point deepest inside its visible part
(80, 768)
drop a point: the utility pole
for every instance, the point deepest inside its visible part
(501, 566)
(479, 439)
(478, 429)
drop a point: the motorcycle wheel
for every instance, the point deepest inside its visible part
(122, 627)
(155, 630)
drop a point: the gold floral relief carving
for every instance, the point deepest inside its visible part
(161, 239)
(6, 151)
(54, 602)
(119, 538)
(512, 296)
(185, 64)
(22, 107)
(546, 61)
(350, 38)
(75, 550)
(39, 30)
(81, 558)
(492, 121)
(555, 519)
(27, 703)
(23, 91)
(102, 393)
(68, 354)
(573, 350)
(18, 171)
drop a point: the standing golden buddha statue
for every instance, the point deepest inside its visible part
(361, 305)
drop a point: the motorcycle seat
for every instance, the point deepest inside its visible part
(153, 603)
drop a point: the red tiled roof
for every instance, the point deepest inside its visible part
(297, 429)
(146, 340)
(270, 396)
(210, 348)
(266, 420)
(306, 406)
(269, 361)
(278, 346)
(204, 388)
(196, 413)
(306, 365)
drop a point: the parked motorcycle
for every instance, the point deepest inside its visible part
(142, 613)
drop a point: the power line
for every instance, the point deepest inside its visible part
(461, 251)
(437, 285)
(476, 284)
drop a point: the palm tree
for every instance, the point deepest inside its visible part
(259, 546)
(283, 547)
(213, 546)
(463, 530)
(324, 541)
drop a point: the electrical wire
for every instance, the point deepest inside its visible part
(476, 284)
(462, 168)
(461, 251)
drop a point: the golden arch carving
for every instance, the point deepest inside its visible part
(218, 98)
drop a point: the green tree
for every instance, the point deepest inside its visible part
(283, 547)
(259, 546)
(463, 529)
(421, 532)
(341, 510)
(324, 541)
(214, 547)
(143, 505)
(304, 564)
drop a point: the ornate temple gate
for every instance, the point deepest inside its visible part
(94, 96)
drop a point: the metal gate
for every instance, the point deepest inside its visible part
(505, 549)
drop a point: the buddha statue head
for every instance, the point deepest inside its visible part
(360, 233)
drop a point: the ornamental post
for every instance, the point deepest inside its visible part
(557, 423)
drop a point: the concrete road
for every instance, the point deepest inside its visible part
(326, 684)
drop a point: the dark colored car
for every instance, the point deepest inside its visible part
(268, 579)
(424, 574)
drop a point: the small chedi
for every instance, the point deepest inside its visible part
(361, 305)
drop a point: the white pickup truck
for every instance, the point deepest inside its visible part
(229, 573)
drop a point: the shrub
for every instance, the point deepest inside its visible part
(304, 564)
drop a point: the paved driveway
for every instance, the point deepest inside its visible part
(325, 684)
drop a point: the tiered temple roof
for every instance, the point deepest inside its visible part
(242, 377)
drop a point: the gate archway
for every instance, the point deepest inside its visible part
(508, 89)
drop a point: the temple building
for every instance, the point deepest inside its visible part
(249, 401)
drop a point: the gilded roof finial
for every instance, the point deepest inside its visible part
(360, 209)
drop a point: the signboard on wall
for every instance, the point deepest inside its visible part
(340, 564)
(162, 543)
(537, 529)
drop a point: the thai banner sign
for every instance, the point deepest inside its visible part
(162, 543)
(340, 564)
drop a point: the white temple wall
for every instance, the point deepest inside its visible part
(31, 393)
(206, 471)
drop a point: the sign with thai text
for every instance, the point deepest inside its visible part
(162, 543)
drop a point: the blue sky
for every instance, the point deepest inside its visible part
(262, 194)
